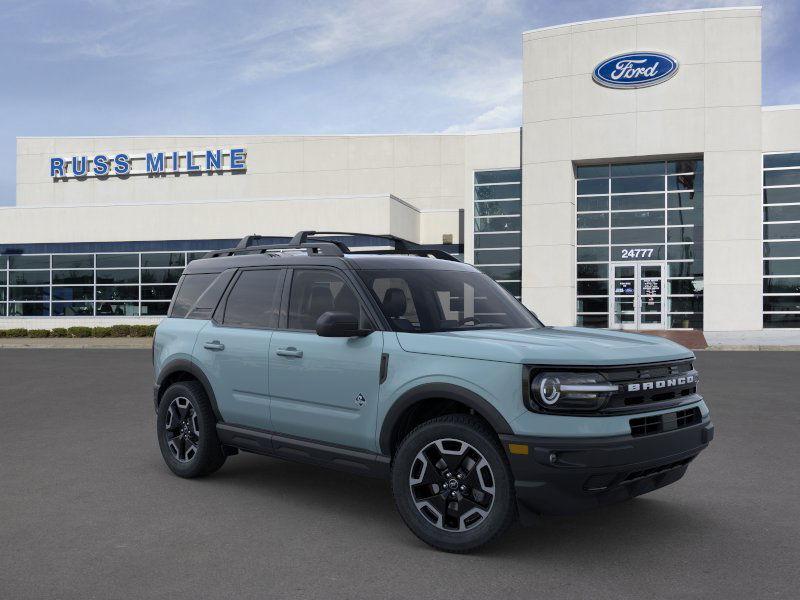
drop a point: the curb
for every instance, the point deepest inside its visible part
(77, 343)
(753, 348)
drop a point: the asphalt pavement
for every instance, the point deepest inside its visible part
(88, 509)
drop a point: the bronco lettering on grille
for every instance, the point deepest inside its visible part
(660, 383)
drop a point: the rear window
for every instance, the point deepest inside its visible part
(189, 291)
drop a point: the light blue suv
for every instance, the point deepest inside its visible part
(409, 365)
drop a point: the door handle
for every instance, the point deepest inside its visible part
(215, 345)
(290, 352)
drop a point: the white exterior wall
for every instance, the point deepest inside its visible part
(712, 106)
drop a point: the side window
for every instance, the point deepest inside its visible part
(189, 291)
(254, 300)
(317, 292)
(398, 304)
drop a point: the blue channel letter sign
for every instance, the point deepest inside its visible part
(635, 70)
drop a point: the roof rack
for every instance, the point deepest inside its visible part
(301, 241)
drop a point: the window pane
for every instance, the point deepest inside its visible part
(680, 234)
(592, 321)
(782, 231)
(494, 192)
(637, 201)
(512, 207)
(592, 254)
(684, 286)
(637, 236)
(2, 310)
(157, 292)
(73, 261)
(681, 269)
(782, 303)
(684, 166)
(161, 275)
(117, 260)
(29, 293)
(782, 195)
(791, 159)
(684, 182)
(782, 321)
(588, 171)
(118, 276)
(694, 321)
(190, 256)
(2, 277)
(498, 224)
(498, 176)
(637, 184)
(789, 177)
(684, 217)
(592, 220)
(595, 305)
(782, 285)
(163, 259)
(513, 288)
(650, 168)
(497, 257)
(117, 292)
(637, 219)
(316, 292)
(592, 288)
(117, 309)
(29, 277)
(779, 249)
(685, 200)
(638, 252)
(28, 309)
(73, 293)
(73, 309)
(73, 276)
(29, 262)
(782, 213)
(680, 252)
(782, 267)
(2, 294)
(498, 240)
(254, 299)
(592, 236)
(502, 272)
(191, 288)
(3, 262)
(694, 304)
(154, 309)
(592, 271)
(598, 203)
(593, 186)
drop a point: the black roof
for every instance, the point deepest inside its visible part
(327, 249)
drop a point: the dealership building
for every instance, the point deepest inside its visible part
(646, 188)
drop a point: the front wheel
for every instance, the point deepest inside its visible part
(452, 484)
(187, 432)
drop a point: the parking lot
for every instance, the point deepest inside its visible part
(88, 509)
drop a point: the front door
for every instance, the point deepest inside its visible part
(636, 299)
(322, 388)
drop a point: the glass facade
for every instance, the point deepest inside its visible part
(640, 213)
(498, 226)
(781, 299)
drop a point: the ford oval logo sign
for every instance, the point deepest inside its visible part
(635, 70)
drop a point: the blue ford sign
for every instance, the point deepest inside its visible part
(635, 70)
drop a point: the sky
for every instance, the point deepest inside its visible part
(174, 67)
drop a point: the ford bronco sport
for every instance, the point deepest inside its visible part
(408, 364)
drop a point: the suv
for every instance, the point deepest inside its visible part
(410, 365)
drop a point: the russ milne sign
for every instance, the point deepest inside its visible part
(635, 70)
(151, 163)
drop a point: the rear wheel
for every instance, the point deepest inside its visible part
(187, 434)
(452, 484)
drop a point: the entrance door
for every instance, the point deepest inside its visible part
(636, 300)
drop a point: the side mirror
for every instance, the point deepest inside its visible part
(340, 324)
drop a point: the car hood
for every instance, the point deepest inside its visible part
(547, 346)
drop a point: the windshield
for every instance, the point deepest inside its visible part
(428, 300)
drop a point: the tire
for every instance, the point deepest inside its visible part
(187, 432)
(463, 503)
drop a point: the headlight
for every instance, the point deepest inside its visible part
(571, 391)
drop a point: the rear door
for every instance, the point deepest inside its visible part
(232, 349)
(324, 389)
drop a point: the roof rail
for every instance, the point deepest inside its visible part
(328, 247)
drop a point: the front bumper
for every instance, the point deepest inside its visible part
(567, 475)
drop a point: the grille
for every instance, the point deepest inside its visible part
(644, 385)
(636, 475)
(666, 422)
